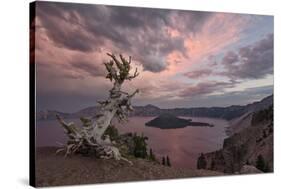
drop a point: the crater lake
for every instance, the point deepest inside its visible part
(182, 145)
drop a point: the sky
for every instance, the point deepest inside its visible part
(185, 58)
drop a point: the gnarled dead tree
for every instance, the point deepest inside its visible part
(91, 135)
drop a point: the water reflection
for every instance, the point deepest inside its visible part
(182, 145)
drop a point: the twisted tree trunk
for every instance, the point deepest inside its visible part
(91, 135)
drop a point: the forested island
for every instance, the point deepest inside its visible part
(170, 121)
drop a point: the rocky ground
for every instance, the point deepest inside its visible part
(55, 170)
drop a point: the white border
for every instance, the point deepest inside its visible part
(14, 40)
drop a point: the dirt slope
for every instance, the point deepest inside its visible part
(55, 170)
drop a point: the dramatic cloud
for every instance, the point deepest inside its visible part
(230, 58)
(250, 62)
(254, 92)
(184, 57)
(239, 97)
(89, 67)
(198, 73)
(141, 32)
(205, 88)
(63, 32)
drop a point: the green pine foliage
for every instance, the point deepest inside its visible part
(112, 132)
(201, 162)
(140, 146)
(261, 164)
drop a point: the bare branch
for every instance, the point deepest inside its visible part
(69, 127)
(133, 76)
(117, 62)
(112, 72)
(134, 93)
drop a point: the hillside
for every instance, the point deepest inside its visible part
(238, 124)
(227, 113)
(250, 143)
(56, 170)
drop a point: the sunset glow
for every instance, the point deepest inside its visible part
(185, 58)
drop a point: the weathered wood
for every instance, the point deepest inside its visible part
(117, 105)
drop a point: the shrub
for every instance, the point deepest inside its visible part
(260, 163)
(140, 146)
(112, 132)
(201, 162)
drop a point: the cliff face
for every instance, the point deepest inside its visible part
(250, 144)
(240, 123)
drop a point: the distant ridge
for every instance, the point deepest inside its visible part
(226, 113)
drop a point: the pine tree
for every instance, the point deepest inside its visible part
(260, 163)
(266, 168)
(140, 146)
(213, 164)
(151, 155)
(163, 161)
(201, 162)
(168, 161)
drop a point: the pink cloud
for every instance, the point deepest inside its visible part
(220, 31)
(162, 53)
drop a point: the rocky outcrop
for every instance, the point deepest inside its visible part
(249, 169)
(246, 146)
(240, 123)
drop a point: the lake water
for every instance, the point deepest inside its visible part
(182, 145)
